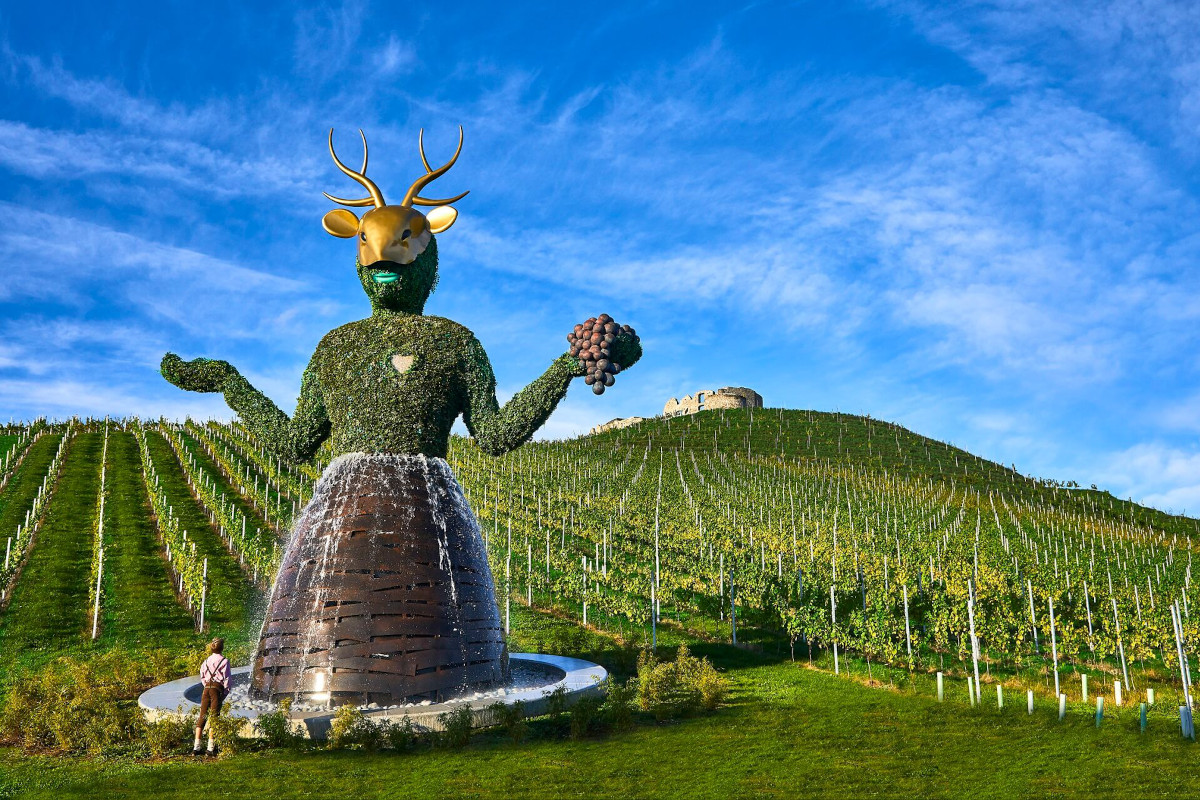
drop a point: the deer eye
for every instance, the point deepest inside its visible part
(363, 236)
(405, 235)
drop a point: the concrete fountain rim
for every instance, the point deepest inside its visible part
(580, 679)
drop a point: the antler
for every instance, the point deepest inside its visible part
(412, 197)
(376, 198)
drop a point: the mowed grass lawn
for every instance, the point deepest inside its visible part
(788, 731)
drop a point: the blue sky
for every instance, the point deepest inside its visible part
(979, 220)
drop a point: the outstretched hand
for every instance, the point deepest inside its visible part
(197, 375)
(603, 349)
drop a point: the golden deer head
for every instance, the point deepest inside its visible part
(397, 233)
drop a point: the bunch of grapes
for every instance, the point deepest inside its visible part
(591, 343)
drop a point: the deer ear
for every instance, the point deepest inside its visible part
(441, 218)
(340, 223)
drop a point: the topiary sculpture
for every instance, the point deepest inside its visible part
(384, 591)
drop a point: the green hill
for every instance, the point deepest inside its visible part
(793, 532)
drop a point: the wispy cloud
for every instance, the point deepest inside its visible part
(992, 251)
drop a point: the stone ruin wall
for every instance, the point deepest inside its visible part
(706, 400)
(615, 424)
(709, 400)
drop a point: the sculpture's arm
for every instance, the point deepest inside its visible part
(292, 439)
(499, 430)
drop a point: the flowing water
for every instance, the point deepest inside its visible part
(384, 592)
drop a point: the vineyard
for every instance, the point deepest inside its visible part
(839, 541)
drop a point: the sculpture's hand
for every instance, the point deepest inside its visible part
(626, 349)
(197, 375)
(603, 348)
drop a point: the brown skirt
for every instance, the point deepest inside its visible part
(384, 593)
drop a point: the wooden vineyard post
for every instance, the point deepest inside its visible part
(977, 698)
(1183, 666)
(833, 632)
(100, 537)
(1054, 650)
(654, 623)
(96, 606)
(733, 608)
(203, 594)
(1087, 604)
(721, 605)
(1032, 618)
(907, 631)
(1120, 642)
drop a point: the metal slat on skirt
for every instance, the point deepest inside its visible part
(384, 593)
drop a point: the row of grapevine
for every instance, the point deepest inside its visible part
(17, 546)
(257, 484)
(188, 570)
(257, 553)
(17, 452)
(294, 480)
(97, 571)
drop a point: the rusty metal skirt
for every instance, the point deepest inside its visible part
(384, 593)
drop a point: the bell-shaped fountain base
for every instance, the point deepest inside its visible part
(384, 594)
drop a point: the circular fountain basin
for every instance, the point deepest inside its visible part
(535, 675)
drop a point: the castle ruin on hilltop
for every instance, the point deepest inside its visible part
(704, 400)
(708, 400)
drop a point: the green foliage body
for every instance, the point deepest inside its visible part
(354, 392)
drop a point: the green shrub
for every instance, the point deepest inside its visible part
(511, 717)
(619, 700)
(77, 706)
(713, 686)
(456, 727)
(400, 736)
(276, 729)
(227, 730)
(170, 735)
(673, 689)
(584, 715)
(556, 710)
(351, 729)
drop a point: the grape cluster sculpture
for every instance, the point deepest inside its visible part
(592, 343)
